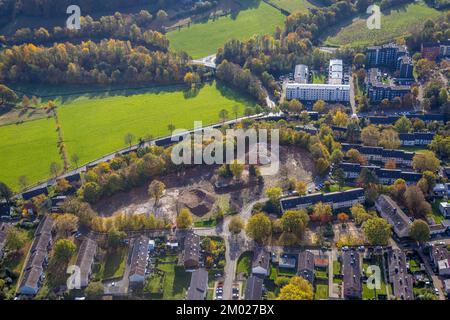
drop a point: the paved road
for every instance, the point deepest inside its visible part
(209, 61)
(436, 281)
(235, 245)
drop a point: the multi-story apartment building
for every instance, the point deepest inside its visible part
(314, 92)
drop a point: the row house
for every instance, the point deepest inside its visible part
(337, 200)
(416, 138)
(379, 154)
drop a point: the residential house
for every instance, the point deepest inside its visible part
(444, 48)
(381, 155)
(430, 50)
(447, 286)
(337, 200)
(254, 288)
(191, 251)
(351, 270)
(335, 72)
(385, 176)
(260, 262)
(198, 286)
(389, 210)
(416, 138)
(385, 56)
(386, 120)
(85, 260)
(305, 265)
(401, 281)
(139, 260)
(377, 89)
(314, 91)
(37, 258)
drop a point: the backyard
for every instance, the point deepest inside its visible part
(113, 264)
(244, 264)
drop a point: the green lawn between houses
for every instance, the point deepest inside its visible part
(113, 265)
(397, 22)
(176, 280)
(94, 125)
(321, 292)
(203, 39)
(244, 264)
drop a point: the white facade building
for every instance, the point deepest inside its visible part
(301, 73)
(314, 92)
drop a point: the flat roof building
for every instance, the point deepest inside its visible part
(301, 73)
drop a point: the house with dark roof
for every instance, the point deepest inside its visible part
(389, 210)
(385, 176)
(440, 257)
(379, 154)
(401, 281)
(254, 288)
(198, 286)
(34, 193)
(351, 270)
(386, 120)
(260, 261)
(337, 200)
(139, 260)
(305, 266)
(37, 258)
(85, 260)
(191, 251)
(416, 138)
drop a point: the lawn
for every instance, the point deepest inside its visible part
(395, 23)
(336, 267)
(321, 292)
(113, 266)
(176, 280)
(96, 126)
(244, 264)
(369, 294)
(294, 5)
(203, 39)
(436, 213)
(27, 149)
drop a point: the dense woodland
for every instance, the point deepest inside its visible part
(110, 61)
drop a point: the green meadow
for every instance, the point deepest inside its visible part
(94, 126)
(27, 149)
(397, 22)
(294, 5)
(203, 39)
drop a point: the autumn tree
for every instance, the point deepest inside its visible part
(403, 125)
(426, 161)
(342, 217)
(370, 136)
(15, 239)
(75, 158)
(419, 231)
(377, 231)
(360, 214)
(128, 139)
(94, 290)
(298, 288)
(184, 219)
(5, 192)
(236, 169)
(55, 169)
(259, 227)
(389, 139)
(156, 190)
(7, 95)
(63, 250)
(274, 194)
(65, 224)
(236, 225)
(322, 212)
(415, 201)
(295, 222)
(301, 187)
(356, 157)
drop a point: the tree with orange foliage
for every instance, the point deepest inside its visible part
(342, 217)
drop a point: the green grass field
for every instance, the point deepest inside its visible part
(27, 149)
(395, 23)
(94, 125)
(203, 39)
(294, 5)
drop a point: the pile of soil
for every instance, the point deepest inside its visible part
(200, 202)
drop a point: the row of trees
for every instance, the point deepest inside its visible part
(110, 61)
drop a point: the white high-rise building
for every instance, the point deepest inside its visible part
(301, 73)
